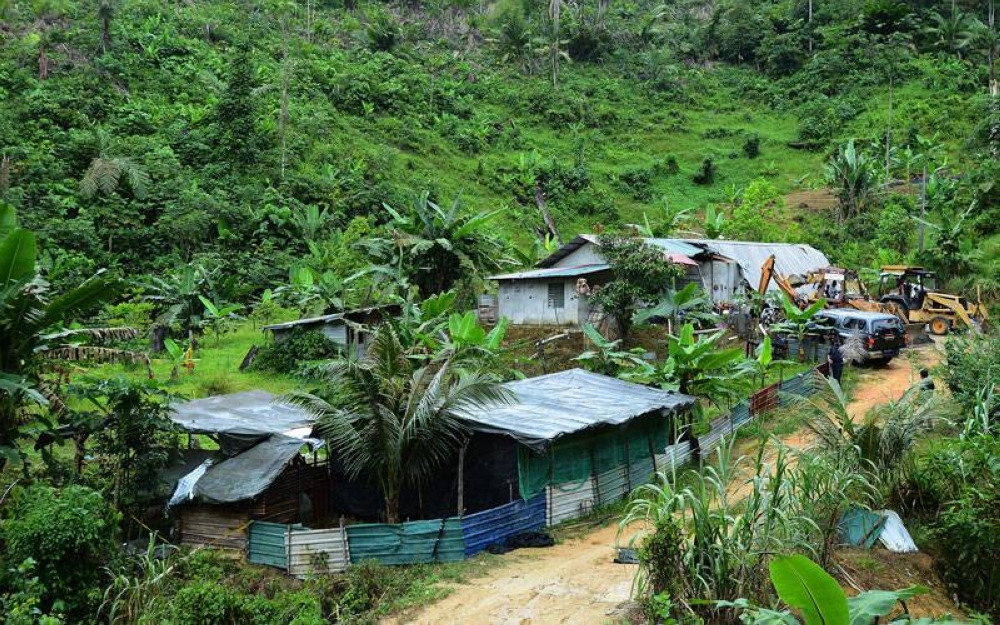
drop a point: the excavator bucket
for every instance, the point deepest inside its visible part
(916, 334)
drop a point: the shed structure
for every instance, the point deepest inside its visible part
(259, 471)
(557, 292)
(349, 328)
(568, 428)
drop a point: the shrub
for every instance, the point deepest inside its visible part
(70, 535)
(706, 175)
(972, 363)
(751, 147)
(291, 352)
(211, 603)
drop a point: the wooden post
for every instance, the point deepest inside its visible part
(461, 478)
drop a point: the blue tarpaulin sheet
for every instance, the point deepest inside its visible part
(494, 526)
(860, 527)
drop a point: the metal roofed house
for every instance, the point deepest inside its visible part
(789, 258)
(557, 292)
(259, 471)
(549, 407)
(573, 426)
(599, 435)
(348, 328)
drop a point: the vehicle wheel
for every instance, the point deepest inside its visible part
(940, 326)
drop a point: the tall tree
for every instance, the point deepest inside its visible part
(397, 418)
(237, 111)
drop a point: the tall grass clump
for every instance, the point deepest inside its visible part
(701, 538)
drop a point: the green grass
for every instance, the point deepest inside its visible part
(216, 368)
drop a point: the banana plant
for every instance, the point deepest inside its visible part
(798, 321)
(217, 315)
(805, 587)
(607, 357)
(179, 357)
(689, 303)
(697, 366)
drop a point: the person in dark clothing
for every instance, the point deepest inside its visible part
(926, 383)
(835, 359)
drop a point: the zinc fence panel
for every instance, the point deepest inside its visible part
(416, 542)
(640, 472)
(674, 458)
(490, 527)
(317, 552)
(267, 544)
(612, 485)
(571, 500)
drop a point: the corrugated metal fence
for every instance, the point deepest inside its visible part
(314, 552)
(491, 527)
(416, 542)
(761, 402)
(268, 544)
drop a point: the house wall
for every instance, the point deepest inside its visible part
(587, 254)
(336, 331)
(526, 302)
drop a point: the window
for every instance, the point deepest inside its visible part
(557, 295)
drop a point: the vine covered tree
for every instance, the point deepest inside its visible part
(640, 274)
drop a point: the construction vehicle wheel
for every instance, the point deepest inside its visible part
(940, 326)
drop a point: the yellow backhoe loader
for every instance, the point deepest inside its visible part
(914, 290)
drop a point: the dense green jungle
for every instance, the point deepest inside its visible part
(177, 174)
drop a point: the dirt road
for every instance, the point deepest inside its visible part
(577, 581)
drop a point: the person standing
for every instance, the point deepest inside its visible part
(835, 359)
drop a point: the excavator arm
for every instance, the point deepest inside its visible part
(768, 273)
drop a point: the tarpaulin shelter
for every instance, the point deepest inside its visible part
(258, 472)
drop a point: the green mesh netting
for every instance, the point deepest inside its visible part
(577, 457)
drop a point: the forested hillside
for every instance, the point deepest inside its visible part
(262, 136)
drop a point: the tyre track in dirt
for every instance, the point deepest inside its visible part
(576, 581)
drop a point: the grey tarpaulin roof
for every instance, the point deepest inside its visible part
(550, 406)
(251, 413)
(789, 258)
(341, 316)
(248, 474)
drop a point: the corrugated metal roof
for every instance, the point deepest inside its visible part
(676, 246)
(251, 413)
(789, 258)
(673, 246)
(566, 249)
(550, 406)
(327, 318)
(553, 272)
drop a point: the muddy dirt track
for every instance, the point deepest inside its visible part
(576, 581)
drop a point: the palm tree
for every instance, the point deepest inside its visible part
(953, 32)
(107, 169)
(33, 334)
(439, 245)
(396, 418)
(986, 40)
